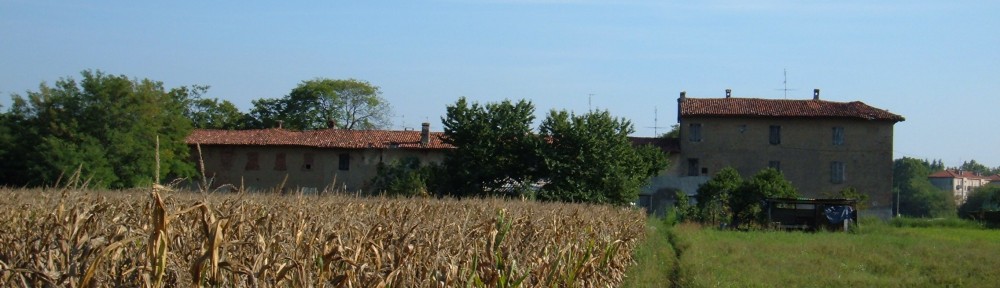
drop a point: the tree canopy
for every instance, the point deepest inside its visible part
(318, 103)
(589, 158)
(728, 198)
(916, 196)
(580, 158)
(104, 125)
(496, 149)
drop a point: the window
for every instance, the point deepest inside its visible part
(345, 162)
(775, 138)
(776, 165)
(838, 136)
(837, 172)
(307, 161)
(252, 163)
(226, 159)
(279, 162)
(692, 166)
(695, 130)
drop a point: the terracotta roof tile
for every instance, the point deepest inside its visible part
(327, 138)
(754, 107)
(962, 174)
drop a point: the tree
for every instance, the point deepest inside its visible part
(318, 103)
(589, 158)
(675, 132)
(404, 177)
(976, 167)
(983, 198)
(496, 148)
(916, 196)
(106, 126)
(714, 196)
(748, 205)
(209, 113)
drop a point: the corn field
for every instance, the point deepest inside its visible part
(157, 238)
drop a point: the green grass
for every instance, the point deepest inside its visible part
(877, 255)
(655, 257)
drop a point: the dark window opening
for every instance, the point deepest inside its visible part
(692, 166)
(695, 130)
(775, 138)
(837, 172)
(226, 159)
(279, 162)
(345, 162)
(776, 165)
(307, 161)
(838, 136)
(704, 171)
(252, 163)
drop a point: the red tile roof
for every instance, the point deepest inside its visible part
(754, 107)
(327, 138)
(962, 174)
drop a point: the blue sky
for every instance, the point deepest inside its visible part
(935, 62)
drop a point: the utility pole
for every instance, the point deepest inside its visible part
(589, 99)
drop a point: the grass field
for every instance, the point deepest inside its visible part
(877, 255)
(149, 238)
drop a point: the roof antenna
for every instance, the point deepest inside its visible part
(589, 97)
(785, 83)
(656, 122)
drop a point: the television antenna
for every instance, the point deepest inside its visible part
(656, 122)
(589, 101)
(785, 83)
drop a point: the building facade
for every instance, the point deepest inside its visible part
(961, 183)
(308, 161)
(821, 147)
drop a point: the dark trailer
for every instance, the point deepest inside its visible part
(811, 214)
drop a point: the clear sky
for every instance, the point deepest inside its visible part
(937, 63)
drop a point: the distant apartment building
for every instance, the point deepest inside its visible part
(820, 146)
(961, 183)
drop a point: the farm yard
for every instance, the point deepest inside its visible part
(76, 238)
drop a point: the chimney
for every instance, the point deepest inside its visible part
(331, 124)
(679, 101)
(816, 94)
(425, 134)
(729, 93)
(281, 123)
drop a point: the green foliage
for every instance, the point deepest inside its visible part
(916, 196)
(404, 177)
(589, 158)
(727, 198)
(210, 113)
(682, 207)
(748, 206)
(852, 193)
(714, 196)
(983, 198)
(654, 257)
(979, 168)
(950, 222)
(104, 125)
(315, 104)
(496, 147)
(675, 132)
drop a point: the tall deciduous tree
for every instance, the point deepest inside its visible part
(589, 158)
(105, 125)
(713, 196)
(915, 194)
(314, 104)
(496, 149)
(209, 113)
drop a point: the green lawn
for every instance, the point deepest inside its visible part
(878, 255)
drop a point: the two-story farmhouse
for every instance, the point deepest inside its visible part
(961, 183)
(308, 160)
(820, 146)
